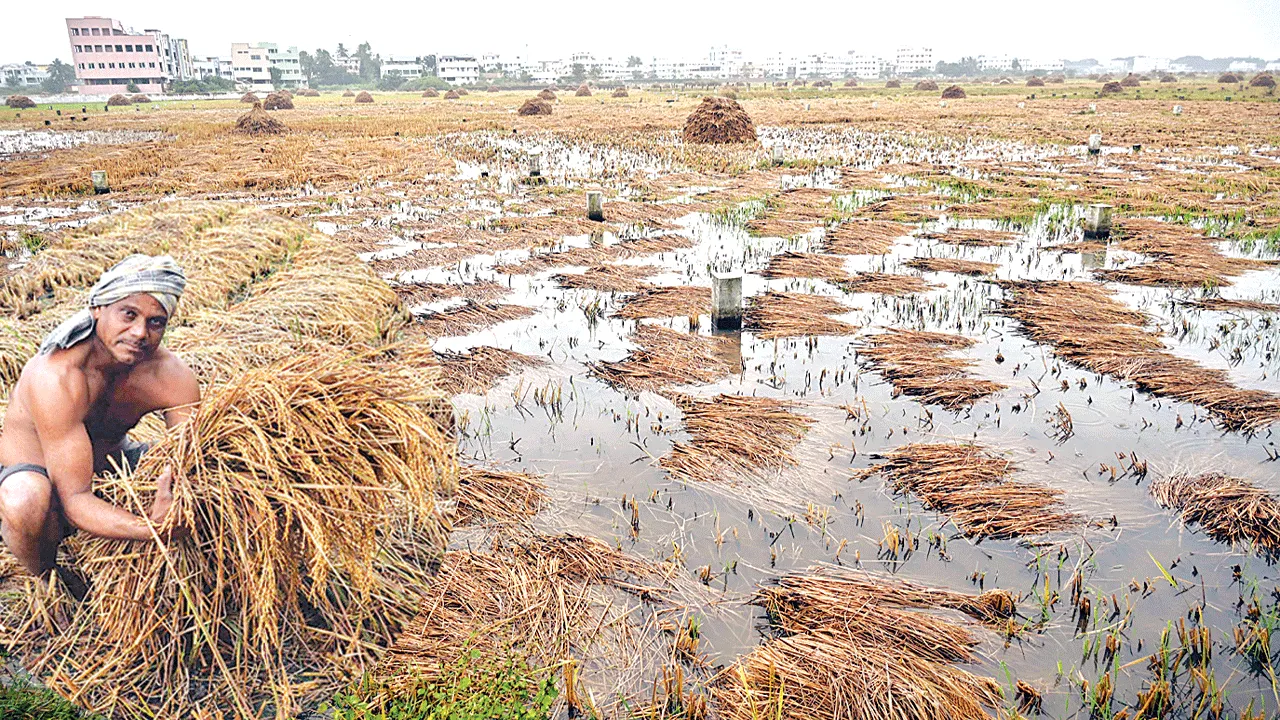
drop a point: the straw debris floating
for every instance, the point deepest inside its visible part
(1231, 305)
(971, 237)
(864, 237)
(497, 496)
(1087, 326)
(1180, 257)
(663, 302)
(719, 120)
(805, 265)
(884, 284)
(478, 369)
(468, 318)
(1230, 510)
(952, 265)
(778, 314)
(970, 484)
(609, 278)
(666, 357)
(917, 364)
(292, 480)
(734, 435)
(419, 293)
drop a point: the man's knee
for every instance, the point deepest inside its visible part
(25, 500)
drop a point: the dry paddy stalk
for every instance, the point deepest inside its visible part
(1180, 257)
(666, 357)
(917, 363)
(970, 484)
(468, 318)
(1087, 326)
(480, 368)
(805, 265)
(902, 208)
(664, 302)
(1230, 510)
(777, 315)
(609, 278)
(497, 496)
(1227, 305)
(793, 212)
(884, 284)
(971, 237)
(952, 265)
(484, 291)
(734, 435)
(864, 237)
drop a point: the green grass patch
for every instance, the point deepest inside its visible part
(21, 701)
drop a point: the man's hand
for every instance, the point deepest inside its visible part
(163, 502)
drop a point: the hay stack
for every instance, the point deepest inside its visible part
(491, 88)
(430, 92)
(309, 93)
(364, 97)
(1228, 78)
(893, 84)
(249, 98)
(295, 480)
(285, 92)
(1131, 80)
(452, 95)
(19, 102)
(1035, 82)
(118, 101)
(139, 99)
(258, 122)
(463, 91)
(1112, 88)
(1168, 78)
(620, 92)
(851, 83)
(278, 101)
(1104, 78)
(583, 90)
(535, 106)
(719, 120)
(822, 83)
(926, 86)
(955, 92)
(547, 94)
(1056, 79)
(1263, 80)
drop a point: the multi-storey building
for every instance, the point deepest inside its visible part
(729, 60)
(350, 63)
(24, 75)
(458, 69)
(402, 66)
(108, 57)
(1042, 65)
(251, 66)
(911, 60)
(210, 67)
(995, 63)
(867, 67)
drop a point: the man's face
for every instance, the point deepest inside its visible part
(131, 328)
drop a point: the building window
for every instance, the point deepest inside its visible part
(128, 48)
(148, 48)
(75, 31)
(119, 48)
(152, 65)
(94, 30)
(81, 66)
(131, 65)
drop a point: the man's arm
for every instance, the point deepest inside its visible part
(181, 392)
(58, 407)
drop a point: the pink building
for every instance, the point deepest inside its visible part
(107, 57)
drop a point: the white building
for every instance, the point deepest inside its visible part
(995, 63)
(910, 60)
(729, 59)
(1042, 65)
(350, 63)
(867, 66)
(779, 66)
(207, 67)
(458, 69)
(1144, 64)
(1243, 66)
(24, 74)
(403, 66)
(1273, 66)
(822, 65)
(251, 66)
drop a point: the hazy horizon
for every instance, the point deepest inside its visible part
(1091, 28)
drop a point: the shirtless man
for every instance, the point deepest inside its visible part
(95, 377)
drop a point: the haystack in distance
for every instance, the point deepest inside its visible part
(258, 122)
(535, 106)
(719, 120)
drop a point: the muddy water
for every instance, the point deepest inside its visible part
(598, 445)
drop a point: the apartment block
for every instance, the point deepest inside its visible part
(108, 57)
(910, 59)
(251, 66)
(409, 68)
(24, 74)
(458, 69)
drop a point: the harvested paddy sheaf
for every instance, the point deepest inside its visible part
(1087, 326)
(1229, 305)
(917, 364)
(478, 369)
(903, 208)
(884, 284)
(864, 237)
(806, 265)
(734, 436)
(1230, 510)
(258, 122)
(971, 237)
(665, 357)
(292, 481)
(596, 254)
(952, 265)
(497, 496)
(719, 120)
(777, 315)
(484, 291)
(665, 302)
(534, 106)
(970, 485)
(849, 649)
(1180, 257)
(468, 318)
(609, 278)
(793, 212)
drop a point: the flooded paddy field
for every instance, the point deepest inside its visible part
(941, 380)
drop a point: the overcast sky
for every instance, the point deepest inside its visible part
(549, 29)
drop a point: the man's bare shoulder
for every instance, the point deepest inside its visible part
(173, 379)
(56, 381)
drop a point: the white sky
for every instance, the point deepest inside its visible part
(1074, 29)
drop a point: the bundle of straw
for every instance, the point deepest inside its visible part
(1229, 509)
(918, 364)
(292, 479)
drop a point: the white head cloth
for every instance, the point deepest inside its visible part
(159, 276)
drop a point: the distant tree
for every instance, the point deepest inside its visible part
(307, 64)
(132, 87)
(595, 72)
(61, 76)
(390, 82)
(342, 50)
(277, 77)
(1017, 66)
(429, 64)
(634, 61)
(579, 72)
(368, 72)
(526, 77)
(637, 74)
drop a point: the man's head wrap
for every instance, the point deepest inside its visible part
(159, 276)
